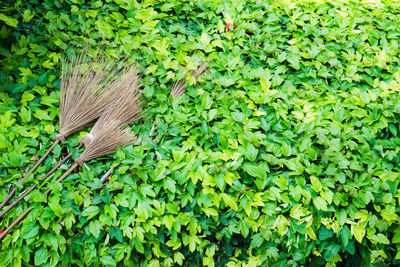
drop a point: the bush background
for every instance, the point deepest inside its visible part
(285, 154)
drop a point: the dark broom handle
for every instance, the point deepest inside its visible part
(3, 234)
(11, 194)
(41, 160)
(73, 167)
(35, 185)
(9, 228)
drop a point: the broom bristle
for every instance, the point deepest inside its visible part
(106, 141)
(124, 104)
(84, 92)
(179, 88)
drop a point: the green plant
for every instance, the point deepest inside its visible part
(286, 153)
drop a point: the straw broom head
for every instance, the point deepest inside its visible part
(106, 141)
(179, 88)
(124, 104)
(84, 91)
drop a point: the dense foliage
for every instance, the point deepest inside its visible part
(284, 154)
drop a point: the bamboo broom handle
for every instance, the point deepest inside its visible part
(36, 185)
(11, 194)
(3, 234)
(73, 167)
(41, 159)
(22, 216)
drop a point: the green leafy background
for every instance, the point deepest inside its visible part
(284, 154)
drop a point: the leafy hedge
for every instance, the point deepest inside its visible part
(285, 154)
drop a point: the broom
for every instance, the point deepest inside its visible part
(124, 105)
(83, 97)
(105, 141)
(179, 88)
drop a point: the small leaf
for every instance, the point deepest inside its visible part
(320, 203)
(9, 20)
(382, 239)
(256, 241)
(95, 228)
(238, 116)
(108, 260)
(251, 152)
(358, 232)
(90, 212)
(256, 170)
(341, 215)
(30, 230)
(40, 256)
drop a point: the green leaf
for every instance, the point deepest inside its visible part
(105, 29)
(43, 78)
(325, 233)
(256, 170)
(146, 14)
(238, 116)
(320, 203)
(30, 230)
(25, 114)
(95, 228)
(147, 190)
(316, 184)
(27, 15)
(358, 232)
(345, 235)
(108, 260)
(170, 185)
(256, 241)
(48, 100)
(229, 201)
(331, 251)
(210, 212)
(294, 60)
(382, 239)
(178, 258)
(26, 97)
(341, 215)
(90, 212)
(40, 256)
(250, 152)
(205, 39)
(162, 45)
(396, 238)
(9, 20)
(42, 115)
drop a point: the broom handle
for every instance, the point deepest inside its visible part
(11, 194)
(3, 234)
(36, 185)
(22, 216)
(73, 167)
(41, 160)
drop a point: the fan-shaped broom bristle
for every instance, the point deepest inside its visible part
(179, 88)
(106, 140)
(124, 106)
(84, 92)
